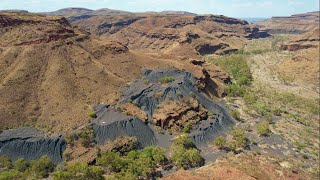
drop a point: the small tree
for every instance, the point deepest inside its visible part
(263, 128)
(42, 167)
(183, 153)
(220, 142)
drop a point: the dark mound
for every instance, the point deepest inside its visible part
(148, 93)
(29, 143)
(111, 124)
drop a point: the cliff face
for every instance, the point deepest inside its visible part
(295, 24)
(172, 35)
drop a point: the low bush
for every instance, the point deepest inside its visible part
(186, 128)
(92, 114)
(166, 80)
(239, 139)
(220, 142)
(263, 128)
(236, 115)
(87, 136)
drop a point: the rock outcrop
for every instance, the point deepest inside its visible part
(111, 124)
(177, 115)
(307, 40)
(295, 24)
(29, 143)
(161, 86)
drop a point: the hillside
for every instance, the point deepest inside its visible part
(56, 72)
(295, 24)
(171, 36)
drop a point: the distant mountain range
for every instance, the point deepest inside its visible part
(105, 11)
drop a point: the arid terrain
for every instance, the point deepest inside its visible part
(172, 95)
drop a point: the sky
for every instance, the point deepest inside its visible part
(232, 8)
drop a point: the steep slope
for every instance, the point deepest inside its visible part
(303, 67)
(295, 24)
(52, 72)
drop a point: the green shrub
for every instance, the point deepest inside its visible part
(184, 154)
(239, 139)
(92, 114)
(236, 115)
(263, 128)
(87, 136)
(248, 128)
(220, 142)
(21, 165)
(261, 108)
(166, 80)
(186, 128)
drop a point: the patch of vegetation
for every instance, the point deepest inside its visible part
(263, 128)
(137, 163)
(236, 66)
(5, 162)
(87, 136)
(187, 128)
(79, 171)
(220, 142)
(184, 154)
(166, 80)
(236, 115)
(21, 165)
(238, 140)
(35, 169)
(92, 114)
(266, 101)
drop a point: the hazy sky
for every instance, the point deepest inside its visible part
(234, 8)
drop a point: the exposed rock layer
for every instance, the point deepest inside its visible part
(28, 143)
